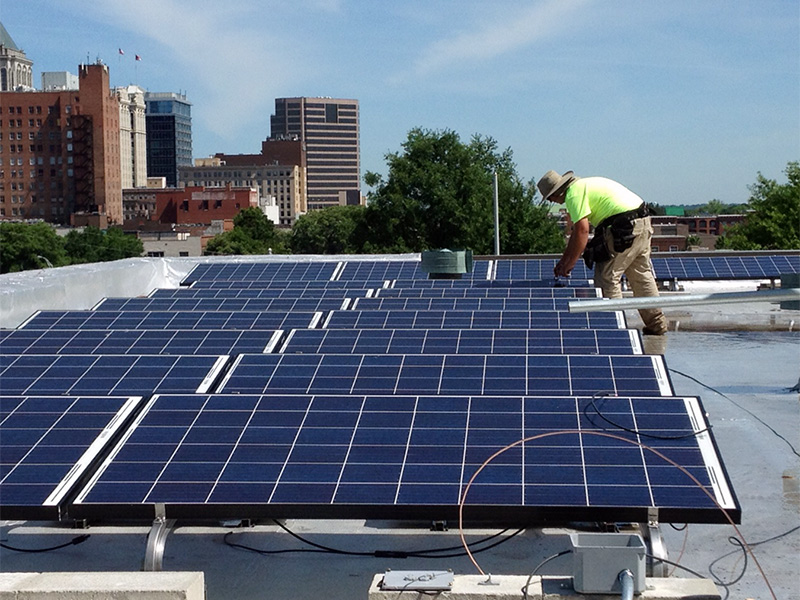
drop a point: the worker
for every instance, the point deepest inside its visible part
(621, 241)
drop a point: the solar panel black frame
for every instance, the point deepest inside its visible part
(410, 457)
(49, 444)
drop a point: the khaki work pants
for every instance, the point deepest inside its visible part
(634, 263)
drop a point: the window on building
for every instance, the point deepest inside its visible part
(673, 248)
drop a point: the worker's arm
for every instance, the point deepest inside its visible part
(575, 247)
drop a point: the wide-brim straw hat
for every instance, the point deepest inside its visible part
(552, 183)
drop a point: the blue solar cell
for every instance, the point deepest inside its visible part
(47, 445)
(112, 375)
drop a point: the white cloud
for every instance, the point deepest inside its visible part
(514, 31)
(226, 54)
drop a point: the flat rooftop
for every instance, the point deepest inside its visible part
(742, 373)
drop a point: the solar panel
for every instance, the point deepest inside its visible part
(223, 304)
(462, 341)
(111, 375)
(262, 271)
(288, 285)
(476, 304)
(137, 341)
(129, 319)
(366, 270)
(471, 319)
(477, 283)
(411, 457)
(725, 267)
(489, 292)
(535, 268)
(544, 374)
(264, 293)
(49, 442)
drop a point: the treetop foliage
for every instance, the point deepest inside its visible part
(774, 220)
(26, 246)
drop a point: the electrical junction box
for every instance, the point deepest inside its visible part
(446, 264)
(790, 280)
(599, 558)
(417, 581)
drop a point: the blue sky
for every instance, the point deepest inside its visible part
(683, 101)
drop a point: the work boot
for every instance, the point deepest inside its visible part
(654, 330)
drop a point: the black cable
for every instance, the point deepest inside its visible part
(429, 553)
(736, 404)
(592, 403)
(539, 566)
(674, 564)
(735, 541)
(73, 542)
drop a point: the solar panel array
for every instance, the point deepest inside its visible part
(350, 389)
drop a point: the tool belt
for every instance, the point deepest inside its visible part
(621, 226)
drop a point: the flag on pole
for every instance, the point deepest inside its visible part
(138, 57)
(120, 51)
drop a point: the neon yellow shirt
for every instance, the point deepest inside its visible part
(598, 198)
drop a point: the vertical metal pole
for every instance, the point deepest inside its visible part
(496, 217)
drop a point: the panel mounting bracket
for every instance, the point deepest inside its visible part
(157, 539)
(656, 547)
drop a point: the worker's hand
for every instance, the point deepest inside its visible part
(562, 269)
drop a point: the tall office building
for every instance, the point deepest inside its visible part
(168, 119)
(60, 153)
(132, 136)
(329, 130)
(16, 69)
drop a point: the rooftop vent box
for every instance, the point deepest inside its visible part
(598, 559)
(446, 264)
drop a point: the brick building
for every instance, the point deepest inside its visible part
(274, 174)
(60, 153)
(195, 205)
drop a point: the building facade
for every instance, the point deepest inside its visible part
(281, 185)
(168, 118)
(16, 69)
(59, 152)
(132, 136)
(329, 131)
(197, 205)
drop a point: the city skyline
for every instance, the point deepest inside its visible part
(683, 103)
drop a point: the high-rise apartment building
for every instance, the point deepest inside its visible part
(168, 120)
(132, 136)
(16, 69)
(59, 152)
(329, 130)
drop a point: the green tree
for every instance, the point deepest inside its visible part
(252, 233)
(693, 240)
(95, 245)
(438, 194)
(26, 246)
(333, 230)
(774, 220)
